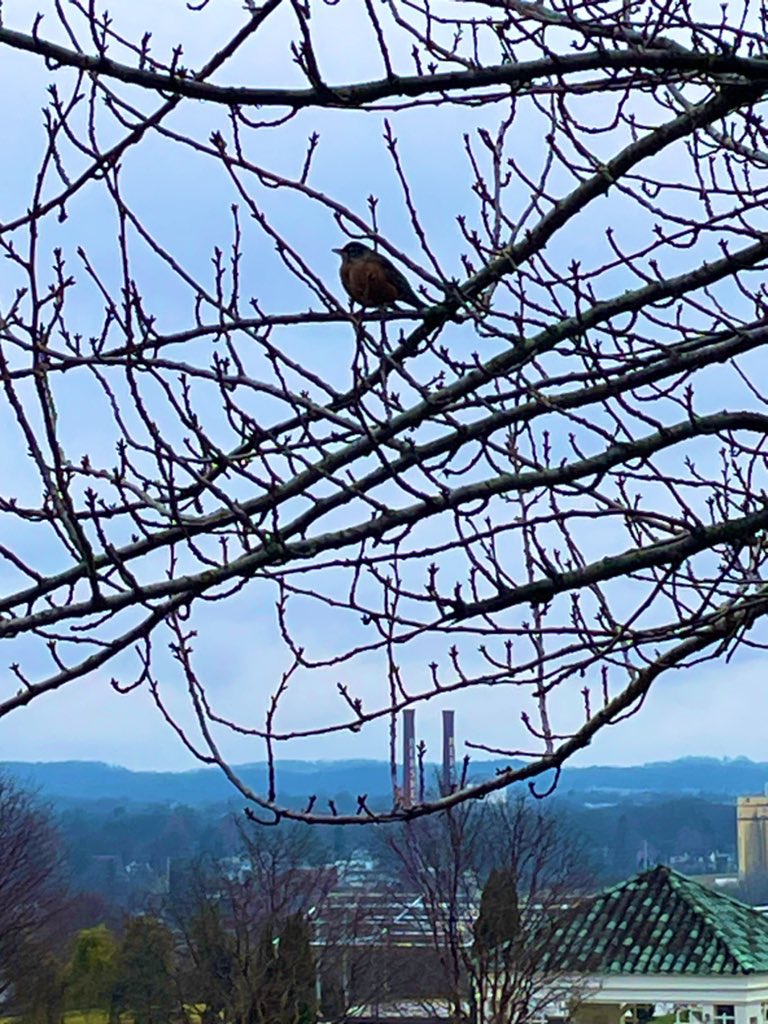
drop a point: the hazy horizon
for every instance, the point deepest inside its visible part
(199, 766)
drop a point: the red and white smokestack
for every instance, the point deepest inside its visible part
(409, 757)
(448, 779)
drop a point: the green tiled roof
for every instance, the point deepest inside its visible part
(660, 922)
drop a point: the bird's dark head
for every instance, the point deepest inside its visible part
(353, 251)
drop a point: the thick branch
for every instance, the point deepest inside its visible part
(678, 62)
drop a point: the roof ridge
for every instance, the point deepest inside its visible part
(677, 878)
(633, 880)
(688, 890)
(724, 896)
(693, 891)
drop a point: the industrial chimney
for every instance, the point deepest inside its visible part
(409, 757)
(448, 777)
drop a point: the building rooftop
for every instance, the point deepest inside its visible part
(660, 922)
(386, 916)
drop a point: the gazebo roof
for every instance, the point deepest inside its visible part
(660, 922)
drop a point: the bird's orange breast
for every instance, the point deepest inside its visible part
(368, 283)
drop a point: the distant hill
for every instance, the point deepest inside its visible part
(79, 781)
(709, 776)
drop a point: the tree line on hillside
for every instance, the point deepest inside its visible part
(103, 841)
(339, 780)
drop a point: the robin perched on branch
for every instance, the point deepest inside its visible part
(372, 280)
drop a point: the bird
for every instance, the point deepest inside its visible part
(372, 280)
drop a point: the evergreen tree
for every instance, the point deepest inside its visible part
(285, 968)
(213, 963)
(144, 983)
(498, 920)
(298, 968)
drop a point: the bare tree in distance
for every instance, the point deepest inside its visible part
(33, 900)
(550, 484)
(31, 880)
(236, 918)
(493, 881)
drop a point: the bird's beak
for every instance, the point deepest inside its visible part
(339, 251)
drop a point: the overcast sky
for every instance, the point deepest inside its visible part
(718, 711)
(687, 713)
